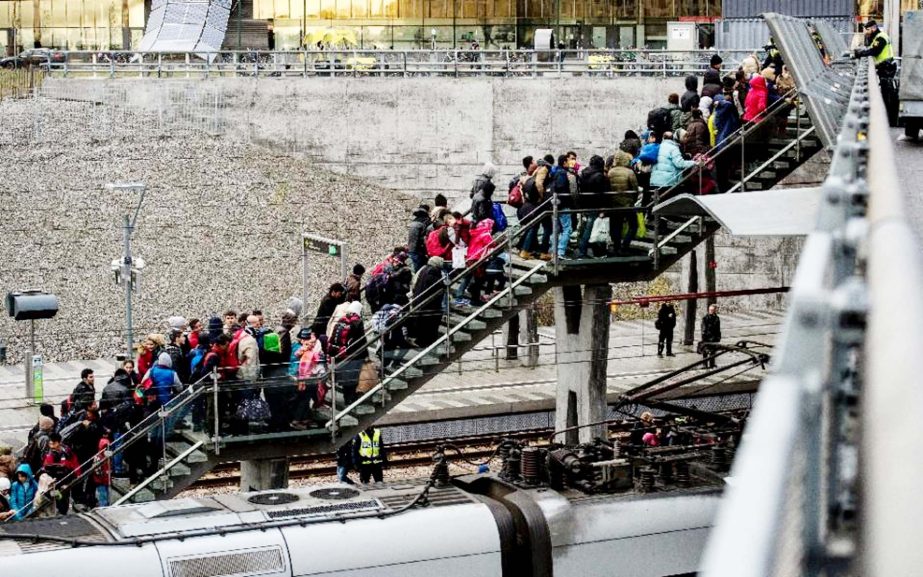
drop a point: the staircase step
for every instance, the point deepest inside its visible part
(490, 313)
(503, 303)
(142, 496)
(783, 165)
(678, 239)
(180, 470)
(536, 278)
(177, 447)
(347, 421)
(365, 409)
(397, 384)
(522, 290)
(474, 324)
(458, 336)
(646, 247)
(379, 394)
(160, 485)
(428, 360)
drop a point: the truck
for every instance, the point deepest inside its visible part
(911, 88)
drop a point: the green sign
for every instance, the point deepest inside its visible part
(321, 245)
(38, 379)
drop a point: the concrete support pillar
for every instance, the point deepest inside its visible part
(711, 281)
(511, 334)
(582, 335)
(529, 335)
(692, 285)
(264, 474)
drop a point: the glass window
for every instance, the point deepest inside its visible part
(328, 9)
(262, 9)
(6, 18)
(136, 13)
(312, 8)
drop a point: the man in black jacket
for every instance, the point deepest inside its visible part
(711, 334)
(690, 98)
(84, 394)
(416, 237)
(666, 322)
(336, 294)
(594, 186)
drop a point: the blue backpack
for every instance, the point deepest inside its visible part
(196, 360)
(500, 222)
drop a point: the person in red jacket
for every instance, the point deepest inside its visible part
(757, 98)
(59, 462)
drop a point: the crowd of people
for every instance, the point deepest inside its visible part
(280, 378)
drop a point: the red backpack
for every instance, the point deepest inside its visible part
(514, 198)
(433, 244)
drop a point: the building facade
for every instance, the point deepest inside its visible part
(371, 24)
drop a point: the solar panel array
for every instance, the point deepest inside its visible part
(825, 89)
(186, 26)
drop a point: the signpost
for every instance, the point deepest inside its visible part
(38, 379)
(315, 243)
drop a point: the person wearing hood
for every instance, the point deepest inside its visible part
(757, 98)
(164, 379)
(631, 142)
(416, 237)
(705, 106)
(593, 195)
(726, 119)
(349, 342)
(44, 410)
(676, 114)
(5, 510)
(22, 492)
(484, 180)
(116, 404)
(711, 84)
(690, 98)
(482, 194)
(670, 164)
(176, 348)
(428, 297)
(59, 462)
(336, 294)
(696, 139)
(623, 182)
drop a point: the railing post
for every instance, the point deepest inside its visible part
(656, 222)
(304, 54)
(111, 67)
(216, 411)
(333, 400)
(797, 132)
(159, 64)
(556, 231)
(743, 160)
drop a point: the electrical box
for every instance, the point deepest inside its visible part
(31, 305)
(682, 36)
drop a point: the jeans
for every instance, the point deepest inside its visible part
(343, 475)
(564, 229)
(418, 260)
(587, 230)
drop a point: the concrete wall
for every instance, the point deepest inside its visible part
(419, 135)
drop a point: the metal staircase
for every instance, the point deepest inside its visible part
(187, 455)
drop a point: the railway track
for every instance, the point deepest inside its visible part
(400, 456)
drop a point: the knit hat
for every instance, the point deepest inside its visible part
(304, 333)
(436, 261)
(4, 485)
(45, 423)
(176, 322)
(164, 360)
(355, 307)
(715, 60)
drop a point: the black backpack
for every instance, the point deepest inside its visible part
(659, 120)
(530, 191)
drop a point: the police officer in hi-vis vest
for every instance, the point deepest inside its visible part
(878, 46)
(369, 455)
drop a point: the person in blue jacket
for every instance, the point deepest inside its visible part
(22, 492)
(670, 164)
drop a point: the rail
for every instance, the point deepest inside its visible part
(406, 63)
(824, 482)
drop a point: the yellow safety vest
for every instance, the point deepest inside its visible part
(370, 448)
(887, 53)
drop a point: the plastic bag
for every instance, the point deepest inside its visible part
(458, 256)
(600, 231)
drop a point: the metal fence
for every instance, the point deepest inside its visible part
(825, 89)
(20, 82)
(409, 63)
(845, 358)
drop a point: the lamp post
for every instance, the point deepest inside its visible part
(124, 268)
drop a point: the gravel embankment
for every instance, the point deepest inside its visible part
(220, 225)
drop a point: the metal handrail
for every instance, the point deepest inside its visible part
(143, 484)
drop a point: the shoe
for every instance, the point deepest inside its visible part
(660, 355)
(462, 303)
(670, 355)
(525, 255)
(545, 256)
(580, 256)
(563, 257)
(298, 425)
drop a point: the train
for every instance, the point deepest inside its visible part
(581, 512)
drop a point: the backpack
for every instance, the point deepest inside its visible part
(500, 223)
(659, 120)
(530, 191)
(67, 405)
(433, 244)
(230, 362)
(514, 198)
(196, 362)
(253, 410)
(339, 340)
(199, 372)
(376, 290)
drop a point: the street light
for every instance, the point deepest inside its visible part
(126, 269)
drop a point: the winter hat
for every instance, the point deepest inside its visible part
(164, 360)
(436, 261)
(4, 485)
(304, 333)
(46, 409)
(45, 423)
(715, 60)
(489, 170)
(355, 307)
(296, 305)
(176, 322)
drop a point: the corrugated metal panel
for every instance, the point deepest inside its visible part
(753, 33)
(753, 8)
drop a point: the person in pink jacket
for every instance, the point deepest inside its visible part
(757, 97)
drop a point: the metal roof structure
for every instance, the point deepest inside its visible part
(196, 26)
(775, 212)
(825, 89)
